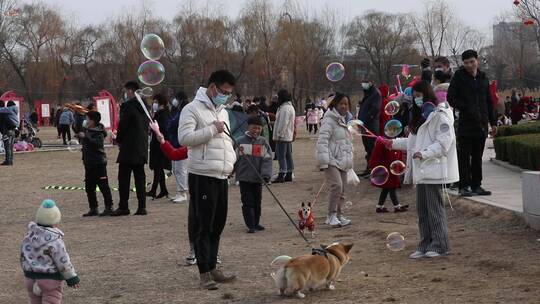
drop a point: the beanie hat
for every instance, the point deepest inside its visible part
(48, 214)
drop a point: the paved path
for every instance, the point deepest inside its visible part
(505, 184)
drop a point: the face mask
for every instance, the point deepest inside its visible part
(175, 102)
(220, 99)
(85, 123)
(419, 101)
(439, 69)
(366, 86)
(155, 107)
(126, 97)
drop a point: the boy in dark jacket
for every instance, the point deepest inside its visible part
(95, 163)
(253, 148)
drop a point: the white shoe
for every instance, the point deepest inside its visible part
(432, 254)
(176, 196)
(334, 221)
(344, 221)
(417, 255)
(182, 197)
(327, 222)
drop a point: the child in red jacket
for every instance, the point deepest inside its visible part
(384, 157)
(167, 148)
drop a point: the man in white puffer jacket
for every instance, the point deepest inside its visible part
(211, 159)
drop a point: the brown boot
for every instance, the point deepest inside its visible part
(207, 282)
(219, 277)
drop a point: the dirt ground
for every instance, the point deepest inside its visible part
(140, 259)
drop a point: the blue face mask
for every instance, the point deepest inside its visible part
(126, 97)
(220, 99)
(419, 101)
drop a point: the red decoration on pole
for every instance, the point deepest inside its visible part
(516, 2)
(528, 22)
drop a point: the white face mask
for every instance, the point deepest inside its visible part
(155, 107)
(85, 124)
(175, 102)
(366, 85)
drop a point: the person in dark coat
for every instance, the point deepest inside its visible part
(369, 114)
(469, 94)
(57, 121)
(92, 138)
(132, 139)
(158, 161)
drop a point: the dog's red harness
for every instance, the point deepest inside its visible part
(308, 223)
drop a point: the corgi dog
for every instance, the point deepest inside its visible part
(310, 272)
(306, 219)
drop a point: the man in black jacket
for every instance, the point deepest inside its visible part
(132, 138)
(92, 137)
(369, 114)
(469, 94)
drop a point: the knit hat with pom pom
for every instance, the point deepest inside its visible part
(48, 214)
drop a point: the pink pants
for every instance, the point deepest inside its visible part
(51, 291)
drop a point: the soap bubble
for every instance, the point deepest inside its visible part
(427, 108)
(146, 92)
(393, 128)
(391, 108)
(355, 126)
(151, 73)
(73, 146)
(395, 241)
(335, 71)
(152, 47)
(379, 175)
(397, 167)
(348, 205)
(428, 164)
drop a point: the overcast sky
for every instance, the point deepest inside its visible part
(477, 13)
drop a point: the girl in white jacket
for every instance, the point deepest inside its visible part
(335, 156)
(431, 163)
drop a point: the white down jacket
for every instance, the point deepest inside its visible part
(334, 146)
(436, 140)
(209, 153)
(284, 125)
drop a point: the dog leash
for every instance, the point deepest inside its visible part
(318, 193)
(268, 188)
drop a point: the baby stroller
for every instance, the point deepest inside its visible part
(30, 135)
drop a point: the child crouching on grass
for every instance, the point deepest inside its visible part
(254, 149)
(44, 258)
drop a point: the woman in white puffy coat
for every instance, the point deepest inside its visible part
(335, 155)
(431, 163)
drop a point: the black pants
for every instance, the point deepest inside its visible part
(159, 179)
(313, 126)
(124, 180)
(9, 139)
(470, 151)
(384, 194)
(96, 175)
(65, 131)
(208, 206)
(251, 196)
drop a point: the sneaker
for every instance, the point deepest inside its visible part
(279, 179)
(140, 212)
(381, 210)
(288, 177)
(334, 221)
(92, 212)
(327, 221)
(106, 212)
(251, 230)
(219, 277)
(480, 191)
(207, 282)
(401, 208)
(344, 221)
(180, 198)
(465, 192)
(417, 255)
(218, 259)
(260, 228)
(190, 258)
(120, 212)
(176, 196)
(432, 254)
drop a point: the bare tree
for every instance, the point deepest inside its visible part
(431, 27)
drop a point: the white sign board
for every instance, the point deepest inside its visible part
(105, 111)
(45, 110)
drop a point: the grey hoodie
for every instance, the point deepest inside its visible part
(44, 255)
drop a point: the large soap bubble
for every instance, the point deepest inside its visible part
(393, 128)
(379, 175)
(152, 47)
(397, 167)
(395, 241)
(151, 72)
(391, 108)
(335, 71)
